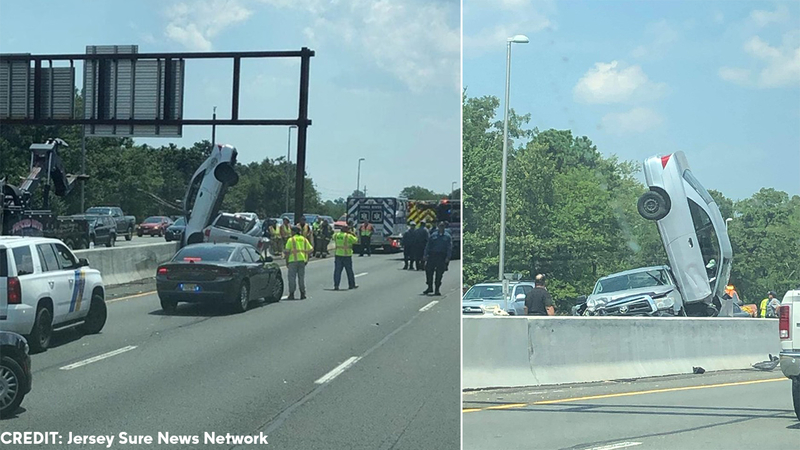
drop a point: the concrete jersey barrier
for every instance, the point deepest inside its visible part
(120, 265)
(531, 351)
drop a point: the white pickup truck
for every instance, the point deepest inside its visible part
(790, 343)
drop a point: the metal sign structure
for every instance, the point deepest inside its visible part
(132, 94)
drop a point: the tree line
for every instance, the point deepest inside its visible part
(571, 213)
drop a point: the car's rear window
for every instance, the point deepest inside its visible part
(3, 263)
(208, 253)
(98, 211)
(153, 220)
(23, 259)
(235, 223)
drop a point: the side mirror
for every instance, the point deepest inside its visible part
(83, 262)
(520, 297)
(580, 299)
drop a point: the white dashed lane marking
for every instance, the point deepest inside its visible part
(338, 370)
(98, 357)
(429, 305)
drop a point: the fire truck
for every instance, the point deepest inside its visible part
(435, 211)
(19, 217)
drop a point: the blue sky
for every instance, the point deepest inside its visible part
(719, 80)
(385, 81)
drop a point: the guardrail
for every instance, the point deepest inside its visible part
(120, 265)
(531, 351)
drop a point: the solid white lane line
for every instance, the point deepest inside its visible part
(338, 370)
(360, 274)
(98, 357)
(616, 446)
(429, 305)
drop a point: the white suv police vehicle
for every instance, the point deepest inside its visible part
(44, 286)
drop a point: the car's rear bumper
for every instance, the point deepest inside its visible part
(149, 231)
(790, 363)
(19, 319)
(209, 291)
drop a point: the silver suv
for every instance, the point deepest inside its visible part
(485, 297)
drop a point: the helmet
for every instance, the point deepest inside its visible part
(411, 223)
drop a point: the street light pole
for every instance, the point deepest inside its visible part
(518, 39)
(452, 187)
(288, 163)
(358, 180)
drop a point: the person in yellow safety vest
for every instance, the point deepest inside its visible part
(274, 234)
(285, 231)
(769, 305)
(343, 257)
(305, 229)
(297, 251)
(365, 231)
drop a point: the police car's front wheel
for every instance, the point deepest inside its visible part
(42, 331)
(96, 318)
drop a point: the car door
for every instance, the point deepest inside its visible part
(519, 305)
(60, 284)
(264, 273)
(255, 272)
(101, 232)
(80, 297)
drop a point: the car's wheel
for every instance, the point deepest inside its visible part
(96, 318)
(42, 331)
(240, 305)
(277, 290)
(11, 386)
(167, 238)
(129, 235)
(653, 205)
(83, 243)
(111, 241)
(70, 242)
(796, 396)
(168, 305)
(224, 173)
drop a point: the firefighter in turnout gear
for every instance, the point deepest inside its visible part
(365, 233)
(420, 241)
(322, 236)
(297, 252)
(343, 257)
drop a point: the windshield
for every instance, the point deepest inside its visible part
(153, 220)
(484, 293)
(636, 280)
(206, 253)
(180, 222)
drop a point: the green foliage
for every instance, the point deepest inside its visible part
(571, 213)
(420, 193)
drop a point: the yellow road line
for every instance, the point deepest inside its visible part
(621, 394)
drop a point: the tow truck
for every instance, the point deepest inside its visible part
(19, 217)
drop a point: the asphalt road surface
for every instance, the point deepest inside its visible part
(371, 368)
(724, 410)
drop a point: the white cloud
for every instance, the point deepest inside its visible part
(488, 23)
(609, 83)
(660, 35)
(763, 18)
(735, 75)
(418, 42)
(637, 120)
(194, 25)
(780, 66)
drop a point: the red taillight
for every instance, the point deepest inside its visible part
(664, 160)
(162, 270)
(14, 291)
(784, 321)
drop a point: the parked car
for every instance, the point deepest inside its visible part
(206, 191)
(125, 224)
(485, 297)
(236, 228)
(154, 226)
(310, 218)
(103, 231)
(647, 291)
(15, 372)
(218, 273)
(692, 229)
(174, 232)
(789, 332)
(44, 286)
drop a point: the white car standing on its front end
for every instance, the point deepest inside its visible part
(206, 191)
(692, 229)
(43, 286)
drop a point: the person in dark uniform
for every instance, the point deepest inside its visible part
(538, 301)
(437, 256)
(420, 243)
(408, 246)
